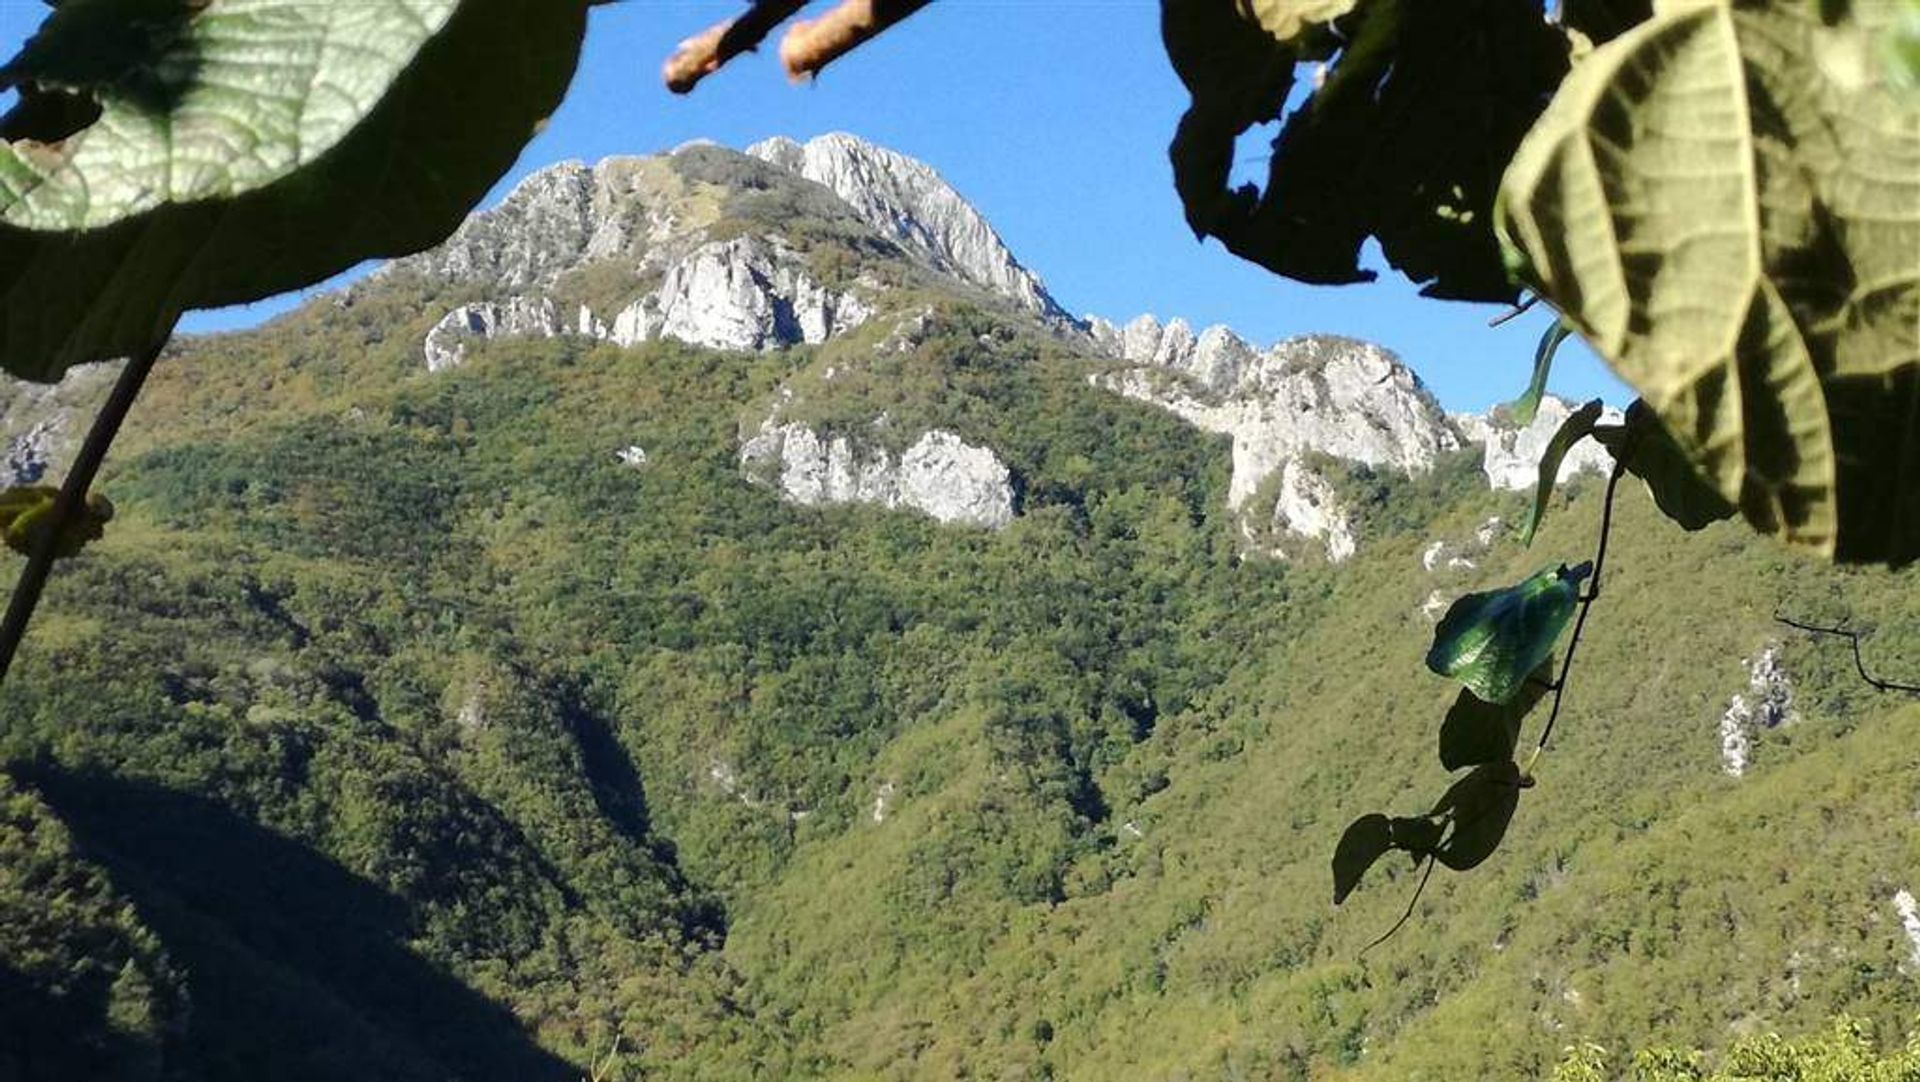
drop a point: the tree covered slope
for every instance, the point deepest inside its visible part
(408, 724)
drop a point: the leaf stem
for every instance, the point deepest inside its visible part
(73, 493)
(1514, 312)
(1408, 915)
(1580, 621)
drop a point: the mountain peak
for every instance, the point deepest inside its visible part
(909, 203)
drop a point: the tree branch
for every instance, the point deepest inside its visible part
(811, 45)
(1859, 663)
(73, 493)
(708, 51)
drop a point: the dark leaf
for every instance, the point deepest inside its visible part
(1522, 409)
(1478, 732)
(1366, 840)
(1578, 425)
(1651, 455)
(1478, 808)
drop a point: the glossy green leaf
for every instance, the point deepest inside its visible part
(170, 154)
(1393, 143)
(1652, 455)
(1478, 809)
(1492, 641)
(1578, 425)
(1523, 409)
(1477, 732)
(1365, 841)
(1725, 201)
(26, 515)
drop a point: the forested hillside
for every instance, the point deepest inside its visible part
(714, 636)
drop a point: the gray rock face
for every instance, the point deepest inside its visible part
(518, 317)
(42, 424)
(1308, 507)
(1337, 396)
(748, 293)
(907, 202)
(1513, 454)
(1767, 703)
(940, 475)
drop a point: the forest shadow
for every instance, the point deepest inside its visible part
(296, 968)
(49, 1036)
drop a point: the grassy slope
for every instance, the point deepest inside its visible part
(425, 638)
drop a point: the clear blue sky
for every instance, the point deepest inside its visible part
(1052, 116)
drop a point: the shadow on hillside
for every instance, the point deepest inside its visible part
(296, 968)
(48, 1036)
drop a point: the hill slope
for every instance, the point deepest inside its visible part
(489, 677)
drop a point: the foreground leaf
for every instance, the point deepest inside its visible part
(1365, 841)
(1523, 409)
(1393, 144)
(1478, 808)
(1651, 455)
(170, 154)
(1578, 425)
(1492, 641)
(1477, 732)
(26, 515)
(1726, 202)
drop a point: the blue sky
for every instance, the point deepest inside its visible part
(1052, 116)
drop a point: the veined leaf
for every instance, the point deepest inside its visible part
(1578, 425)
(174, 154)
(1725, 201)
(1523, 409)
(1651, 455)
(1492, 641)
(1477, 732)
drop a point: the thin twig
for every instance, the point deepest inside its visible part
(706, 52)
(73, 493)
(813, 44)
(1859, 663)
(1515, 312)
(1586, 605)
(1408, 915)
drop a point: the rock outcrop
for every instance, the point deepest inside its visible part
(939, 475)
(517, 317)
(1335, 396)
(41, 424)
(1513, 452)
(1767, 703)
(907, 202)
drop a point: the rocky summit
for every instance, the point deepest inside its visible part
(801, 244)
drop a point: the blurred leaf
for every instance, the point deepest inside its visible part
(1480, 807)
(173, 154)
(1492, 641)
(1651, 455)
(26, 514)
(1477, 732)
(1578, 425)
(1394, 143)
(1724, 201)
(1366, 840)
(1523, 409)
(1604, 20)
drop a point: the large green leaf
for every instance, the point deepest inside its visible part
(228, 150)
(1651, 455)
(1492, 641)
(1725, 200)
(1401, 140)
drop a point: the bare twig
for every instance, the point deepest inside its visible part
(811, 45)
(1515, 312)
(73, 494)
(705, 53)
(1859, 663)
